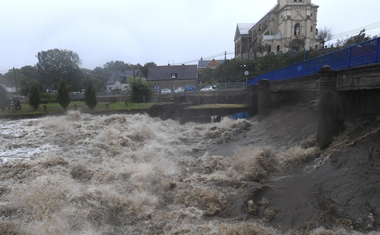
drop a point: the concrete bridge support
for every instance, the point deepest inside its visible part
(264, 99)
(329, 121)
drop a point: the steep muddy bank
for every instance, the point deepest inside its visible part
(338, 189)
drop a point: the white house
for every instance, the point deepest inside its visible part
(119, 80)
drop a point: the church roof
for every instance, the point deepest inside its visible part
(244, 27)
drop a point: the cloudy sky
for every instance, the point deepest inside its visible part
(140, 31)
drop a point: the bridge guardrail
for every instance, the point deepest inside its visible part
(360, 54)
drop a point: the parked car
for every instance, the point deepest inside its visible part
(165, 91)
(208, 88)
(191, 88)
(179, 89)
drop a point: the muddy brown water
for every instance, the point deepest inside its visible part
(132, 174)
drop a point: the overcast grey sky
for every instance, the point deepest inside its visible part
(140, 31)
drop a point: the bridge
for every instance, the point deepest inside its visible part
(342, 94)
(346, 84)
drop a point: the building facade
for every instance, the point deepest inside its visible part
(290, 25)
(213, 64)
(173, 76)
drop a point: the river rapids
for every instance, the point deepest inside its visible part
(133, 174)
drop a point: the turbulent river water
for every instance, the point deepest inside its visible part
(133, 174)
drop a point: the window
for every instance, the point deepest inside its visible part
(278, 48)
(173, 75)
(110, 88)
(311, 29)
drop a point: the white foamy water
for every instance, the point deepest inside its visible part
(132, 174)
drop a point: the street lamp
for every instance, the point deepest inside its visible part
(246, 72)
(246, 79)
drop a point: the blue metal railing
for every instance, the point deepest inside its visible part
(363, 53)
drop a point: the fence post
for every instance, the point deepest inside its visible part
(107, 106)
(349, 57)
(377, 50)
(45, 109)
(75, 106)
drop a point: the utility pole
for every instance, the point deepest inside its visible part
(14, 74)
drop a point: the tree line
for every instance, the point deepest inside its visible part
(56, 64)
(59, 71)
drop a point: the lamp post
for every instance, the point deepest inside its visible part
(246, 74)
(246, 79)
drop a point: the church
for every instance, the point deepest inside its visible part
(290, 25)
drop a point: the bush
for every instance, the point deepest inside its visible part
(63, 94)
(3, 98)
(34, 97)
(90, 96)
(140, 90)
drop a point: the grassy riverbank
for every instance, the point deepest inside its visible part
(55, 108)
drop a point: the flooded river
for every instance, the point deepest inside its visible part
(133, 174)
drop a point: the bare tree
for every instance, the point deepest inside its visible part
(324, 35)
(295, 43)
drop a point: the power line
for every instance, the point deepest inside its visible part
(209, 57)
(357, 30)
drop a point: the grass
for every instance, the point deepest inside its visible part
(217, 106)
(55, 108)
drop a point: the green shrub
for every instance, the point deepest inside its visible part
(63, 94)
(141, 90)
(34, 97)
(3, 98)
(90, 96)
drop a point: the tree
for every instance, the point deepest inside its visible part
(56, 64)
(63, 94)
(141, 90)
(3, 98)
(90, 96)
(27, 76)
(324, 35)
(361, 37)
(34, 96)
(145, 69)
